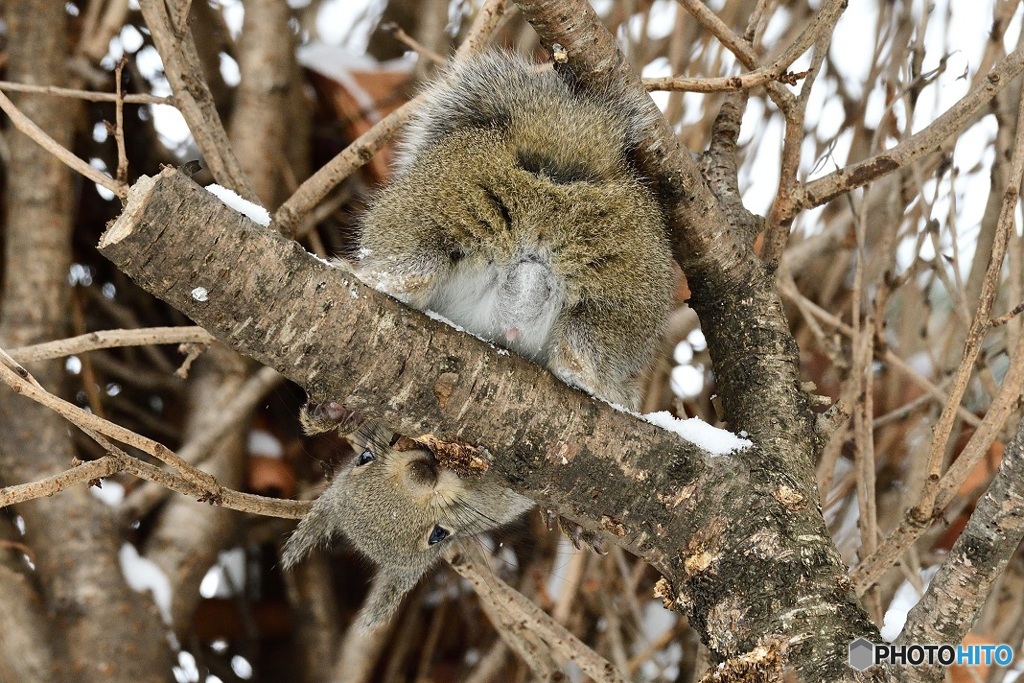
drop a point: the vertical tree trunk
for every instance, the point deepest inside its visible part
(105, 631)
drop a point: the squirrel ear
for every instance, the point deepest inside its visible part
(384, 597)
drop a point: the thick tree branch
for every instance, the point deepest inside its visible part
(716, 527)
(756, 359)
(340, 339)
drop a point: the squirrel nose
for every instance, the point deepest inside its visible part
(425, 469)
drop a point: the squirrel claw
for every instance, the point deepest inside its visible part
(577, 535)
(317, 418)
(550, 517)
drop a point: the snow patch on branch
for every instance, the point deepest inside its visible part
(254, 212)
(712, 439)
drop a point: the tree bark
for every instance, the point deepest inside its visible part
(745, 552)
(103, 630)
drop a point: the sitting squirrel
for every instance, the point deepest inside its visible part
(517, 213)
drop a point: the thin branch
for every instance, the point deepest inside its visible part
(922, 143)
(197, 449)
(122, 156)
(190, 481)
(413, 44)
(776, 232)
(790, 292)
(745, 81)
(1007, 317)
(820, 26)
(23, 383)
(960, 588)
(26, 126)
(87, 95)
(524, 616)
(317, 186)
(726, 36)
(80, 473)
(871, 568)
(193, 98)
(736, 44)
(980, 326)
(110, 339)
(228, 498)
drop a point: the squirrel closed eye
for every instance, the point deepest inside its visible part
(398, 507)
(517, 212)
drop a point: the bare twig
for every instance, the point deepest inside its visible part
(925, 506)
(122, 156)
(80, 473)
(318, 185)
(776, 232)
(871, 568)
(193, 97)
(1007, 317)
(413, 44)
(190, 481)
(119, 461)
(23, 383)
(922, 143)
(109, 339)
(87, 95)
(745, 81)
(821, 26)
(807, 306)
(959, 590)
(26, 126)
(468, 560)
(738, 46)
(199, 448)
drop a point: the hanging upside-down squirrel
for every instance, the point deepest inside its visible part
(516, 212)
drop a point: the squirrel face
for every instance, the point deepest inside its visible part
(399, 507)
(518, 214)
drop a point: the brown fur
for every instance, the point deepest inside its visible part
(388, 503)
(517, 182)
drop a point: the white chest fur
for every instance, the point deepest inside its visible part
(514, 304)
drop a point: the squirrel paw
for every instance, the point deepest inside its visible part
(576, 534)
(317, 418)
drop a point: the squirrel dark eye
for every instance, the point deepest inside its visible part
(364, 457)
(437, 535)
